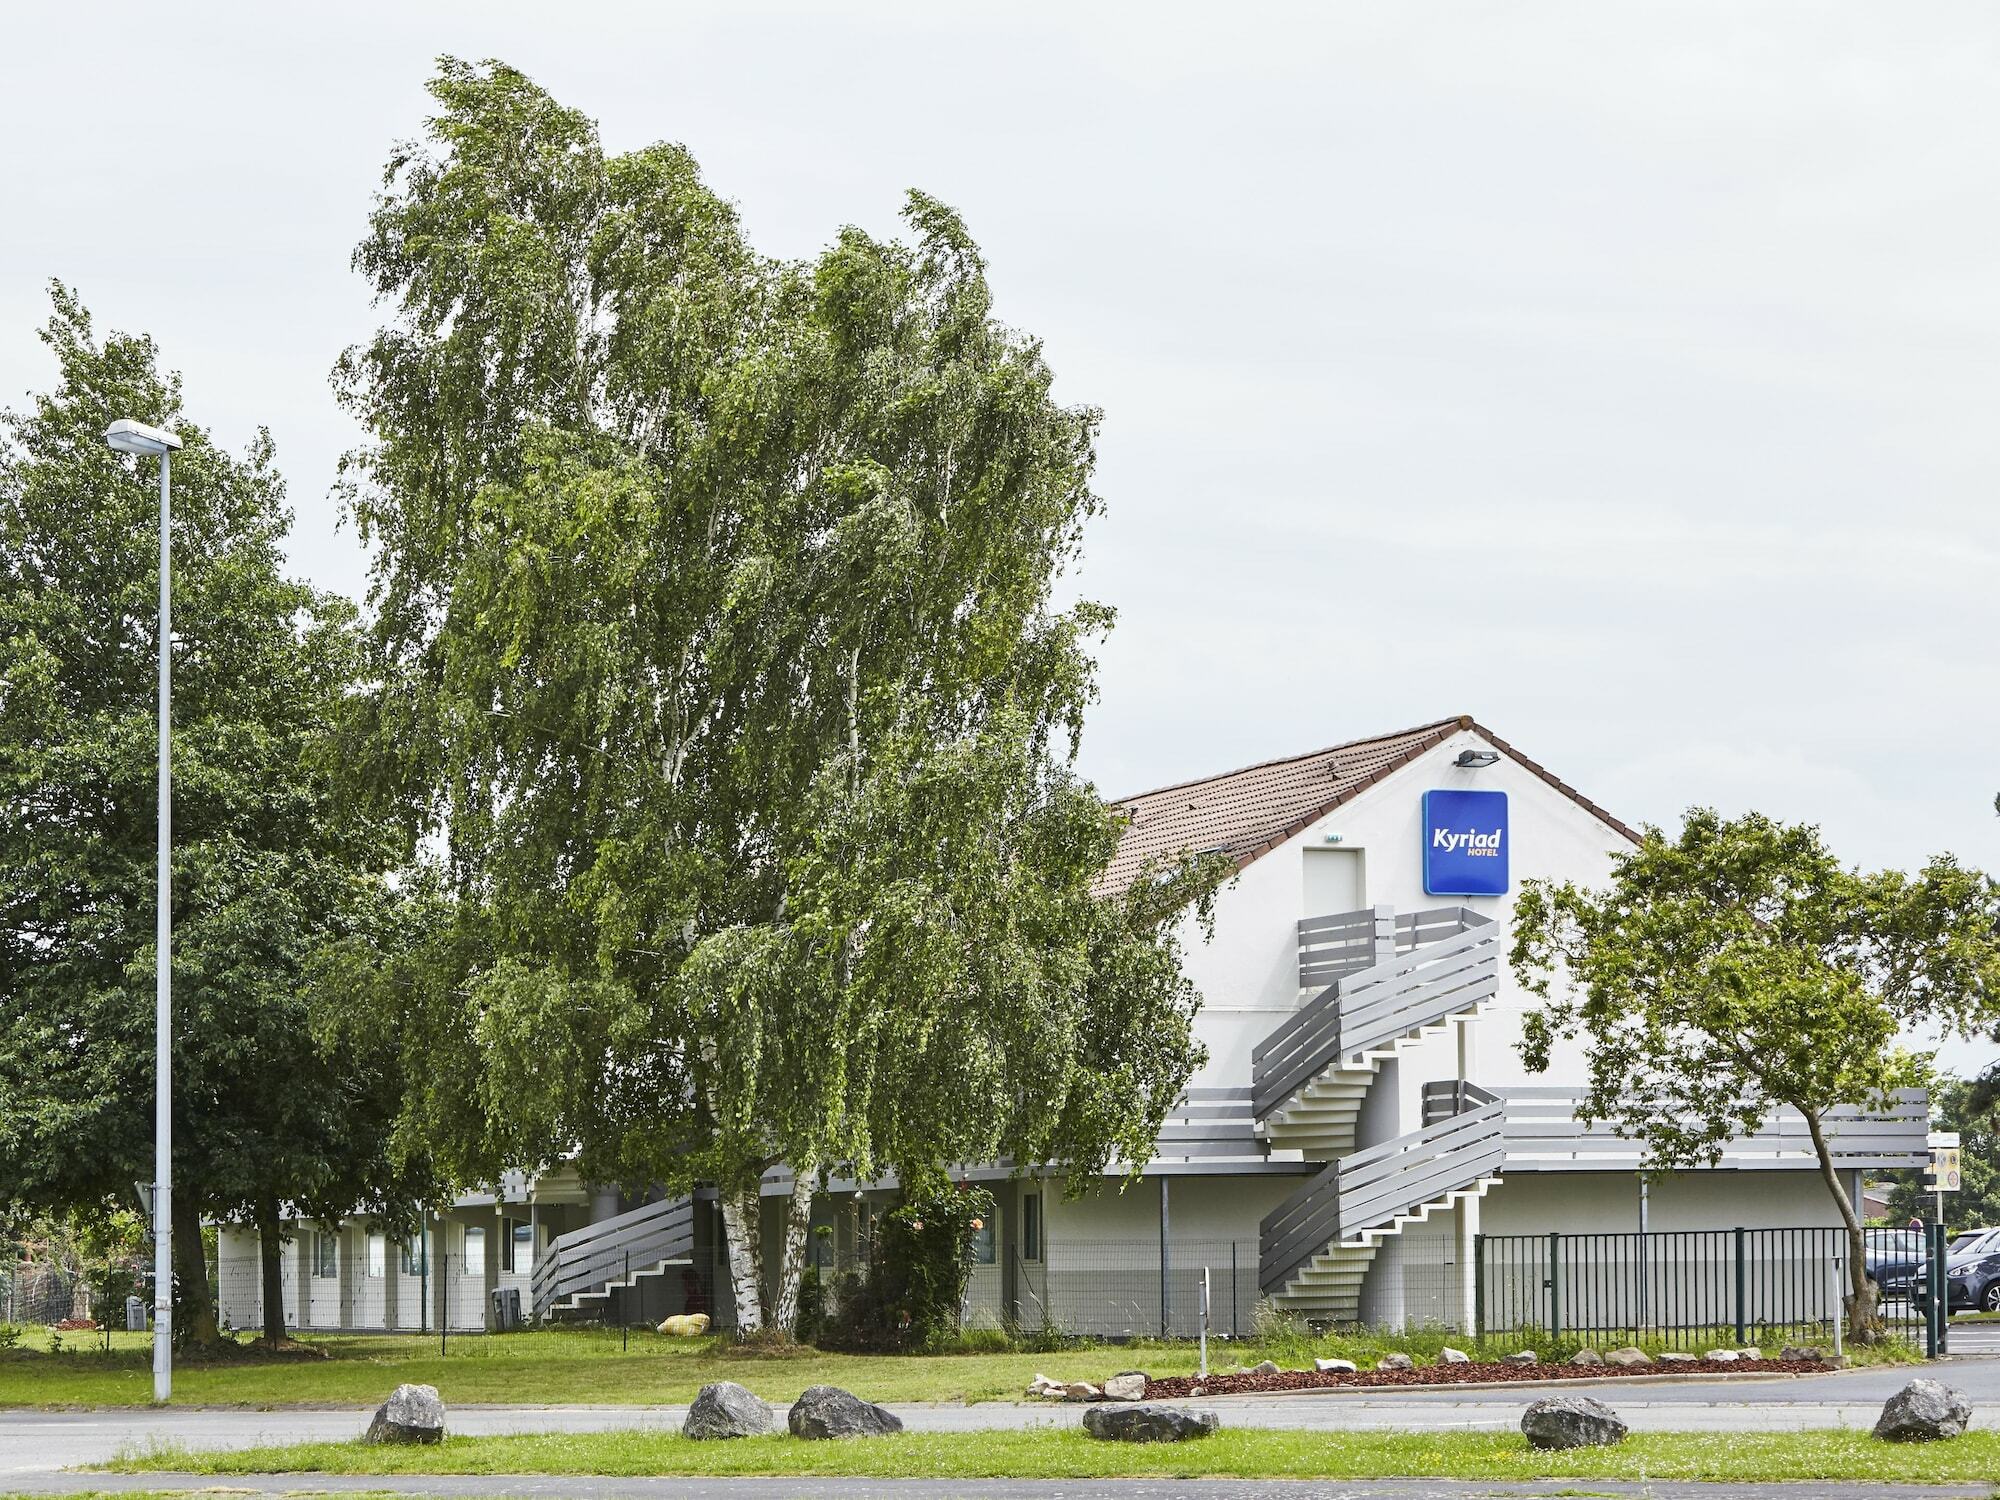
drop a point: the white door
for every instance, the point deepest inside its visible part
(1334, 882)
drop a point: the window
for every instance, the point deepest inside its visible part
(326, 1254)
(517, 1246)
(412, 1254)
(378, 1256)
(985, 1242)
(475, 1250)
(1031, 1226)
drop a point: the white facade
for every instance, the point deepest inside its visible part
(1324, 1190)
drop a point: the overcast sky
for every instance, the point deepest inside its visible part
(1624, 375)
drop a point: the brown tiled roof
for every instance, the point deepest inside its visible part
(1249, 812)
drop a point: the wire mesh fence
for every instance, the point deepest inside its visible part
(1128, 1289)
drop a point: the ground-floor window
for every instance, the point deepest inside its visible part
(517, 1246)
(326, 1254)
(378, 1256)
(1031, 1226)
(475, 1250)
(412, 1257)
(985, 1243)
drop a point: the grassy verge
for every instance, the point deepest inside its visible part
(1247, 1453)
(562, 1367)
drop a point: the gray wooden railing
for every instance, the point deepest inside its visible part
(1452, 1096)
(588, 1261)
(1368, 1189)
(1423, 966)
(1544, 1135)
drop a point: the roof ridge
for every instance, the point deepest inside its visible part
(1461, 721)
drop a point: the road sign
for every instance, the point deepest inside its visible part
(1944, 1174)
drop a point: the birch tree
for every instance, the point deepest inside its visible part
(1739, 968)
(718, 654)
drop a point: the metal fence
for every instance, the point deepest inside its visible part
(1683, 1288)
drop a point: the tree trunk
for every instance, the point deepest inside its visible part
(194, 1304)
(271, 1254)
(1863, 1327)
(744, 1244)
(792, 1268)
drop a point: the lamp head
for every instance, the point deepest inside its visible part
(128, 436)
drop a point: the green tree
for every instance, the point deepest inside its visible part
(1740, 967)
(270, 859)
(715, 631)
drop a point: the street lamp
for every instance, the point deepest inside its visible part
(126, 436)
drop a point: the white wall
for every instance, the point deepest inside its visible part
(1608, 1202)
(1248, 976)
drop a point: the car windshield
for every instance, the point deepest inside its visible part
(1896, 1244)
(1974, 1242)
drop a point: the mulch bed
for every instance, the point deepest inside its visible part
(1475, 1373)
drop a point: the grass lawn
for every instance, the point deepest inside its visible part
(569, 1367)
(1068, 1454)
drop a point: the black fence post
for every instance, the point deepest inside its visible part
(625, 1307)
(1235, 1326)
(1555, 1287)
(1741, 1271)
(1478, 1288)
(1940, 1295)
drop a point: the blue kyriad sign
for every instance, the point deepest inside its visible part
(1465, 843)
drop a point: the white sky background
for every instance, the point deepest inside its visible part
(1622, 374)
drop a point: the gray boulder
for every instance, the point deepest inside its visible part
(1809, 1352)
(1148, 1424)
(1395, 1362)
(1924, 1411)
(1571, 1422)
(412, 1414)
(1338, 1366)
(826, 1411)
(1450, 1356)
(1126, 1385)
(727, 1410)
(1521, 1357)
(1586, 1357)
(1629, 1357)
(1676, 1357)
(1264, 1367)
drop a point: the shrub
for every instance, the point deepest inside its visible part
(10, 1335)
(911, 1293)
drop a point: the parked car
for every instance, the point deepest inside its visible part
(1966, 1240)
(1972, 1276)
(1896, 1262)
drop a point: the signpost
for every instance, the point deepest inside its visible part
(1944, 1177)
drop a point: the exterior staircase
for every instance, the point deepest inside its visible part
(582, 1269)
(1382, 982)
(1315, 1248)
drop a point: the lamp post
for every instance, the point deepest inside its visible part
(126, 436)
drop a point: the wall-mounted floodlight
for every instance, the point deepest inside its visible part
(127, 436)
(1473, 760)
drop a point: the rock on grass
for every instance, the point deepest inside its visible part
(826, 1411)
(727, 1410)
(412, 1414)
(1571, 1422)
(1148, 1424)
(1924, 1411)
